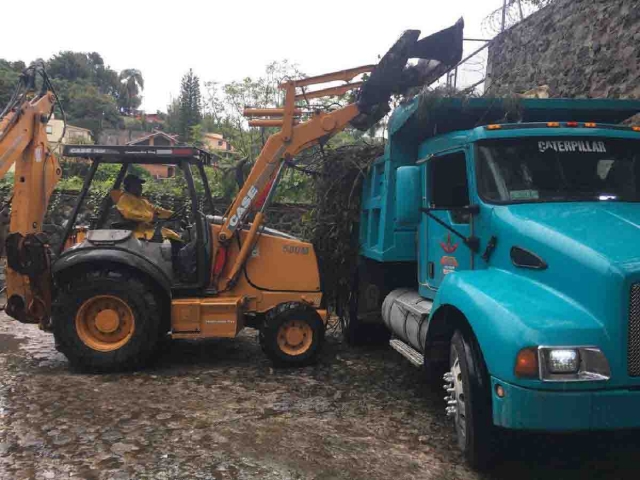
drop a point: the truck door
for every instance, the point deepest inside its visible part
(446, 187)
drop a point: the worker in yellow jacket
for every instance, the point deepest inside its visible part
(133, 207)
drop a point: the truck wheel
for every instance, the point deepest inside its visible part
(469, 401)
(106, 320)
(358, 333)
(292, 335)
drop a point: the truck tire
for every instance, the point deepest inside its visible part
(358, 333)
(106, 320)
(292, 335)
(472, 393)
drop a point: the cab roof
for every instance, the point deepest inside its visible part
(141, 154)
(424, 117)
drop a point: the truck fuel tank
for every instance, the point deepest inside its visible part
(406, 314)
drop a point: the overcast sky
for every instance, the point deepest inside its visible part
(226, 40)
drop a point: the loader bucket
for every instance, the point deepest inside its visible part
(391, 75)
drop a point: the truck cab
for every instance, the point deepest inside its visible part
(499, 242)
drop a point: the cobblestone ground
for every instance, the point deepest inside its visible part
(217, 410)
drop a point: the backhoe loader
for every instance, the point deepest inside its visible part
(108, 295)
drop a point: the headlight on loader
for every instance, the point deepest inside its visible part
(563, 364)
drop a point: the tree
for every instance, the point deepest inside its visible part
(88, 108)
(131, 83)
(172, 122)
(9, 74)
(72, 66)
(225, 104)
(190, 105)
(224, 114)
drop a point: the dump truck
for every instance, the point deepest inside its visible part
(499, 247)
(110, 291)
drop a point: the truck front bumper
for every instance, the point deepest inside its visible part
(527, 409)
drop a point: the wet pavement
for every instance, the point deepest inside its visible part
(217, 410)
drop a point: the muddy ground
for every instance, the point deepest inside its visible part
(217, 410)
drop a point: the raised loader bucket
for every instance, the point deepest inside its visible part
(438, 53)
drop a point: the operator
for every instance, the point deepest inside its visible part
(133, 207)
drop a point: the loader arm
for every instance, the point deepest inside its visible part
(371, 105)
(280, 147)
(23, 143)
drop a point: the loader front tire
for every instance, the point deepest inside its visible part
(106, 320)
(292, 335)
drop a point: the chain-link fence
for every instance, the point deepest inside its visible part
(470, 74)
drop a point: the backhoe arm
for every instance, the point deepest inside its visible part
(23, 143)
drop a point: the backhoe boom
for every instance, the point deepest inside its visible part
(23, 143)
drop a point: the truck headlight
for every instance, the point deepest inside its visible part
(563, 364)
(566, 360)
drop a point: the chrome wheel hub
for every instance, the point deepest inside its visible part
(455, 397)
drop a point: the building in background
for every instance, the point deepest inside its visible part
(158, 139)
(215, 141)
(72, 134)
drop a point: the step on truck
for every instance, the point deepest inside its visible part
(499, 246)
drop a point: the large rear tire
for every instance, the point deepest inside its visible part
(471, 394)
(292, 335)
(106, 320)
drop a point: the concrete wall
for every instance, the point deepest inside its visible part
(580, 48)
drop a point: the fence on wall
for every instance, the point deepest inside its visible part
(470, 74)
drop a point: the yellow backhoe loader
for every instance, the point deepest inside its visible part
(108, 295)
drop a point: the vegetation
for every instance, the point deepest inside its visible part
(93, 95)
(185, 114)
(96, 97)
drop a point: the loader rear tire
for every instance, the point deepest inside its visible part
(292, 335)
(106, 320)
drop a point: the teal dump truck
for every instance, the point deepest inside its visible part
(500, 246)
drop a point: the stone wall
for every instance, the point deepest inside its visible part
(579, 48)
(288, 218)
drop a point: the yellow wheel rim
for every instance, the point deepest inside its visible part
(295, 337)
(105, 323)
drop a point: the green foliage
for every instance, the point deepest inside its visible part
(172, 123)
(86, 107)
(9, 74)
(74, 172)
(92, 94)
(189, 105)
(131, 84)
(225, 103)
(224, 107)
(294, 187)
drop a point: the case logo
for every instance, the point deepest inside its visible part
(242, 209)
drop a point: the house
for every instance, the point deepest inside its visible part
(158, 139)
(72, 134)
(215, 141)
(153, 118)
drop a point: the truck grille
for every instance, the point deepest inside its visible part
(633, 348)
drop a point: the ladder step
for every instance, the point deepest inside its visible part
(407, 351)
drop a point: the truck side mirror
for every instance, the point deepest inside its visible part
(408, 195)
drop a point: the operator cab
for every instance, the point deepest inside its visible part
(184, 258)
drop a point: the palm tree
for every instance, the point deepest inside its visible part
(131, 83)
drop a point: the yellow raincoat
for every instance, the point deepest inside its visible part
(142, 211)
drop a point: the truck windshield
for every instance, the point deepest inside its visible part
(558, 170)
